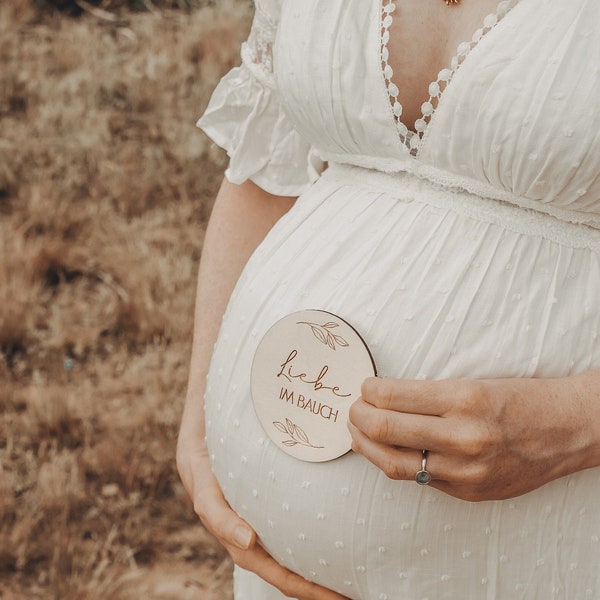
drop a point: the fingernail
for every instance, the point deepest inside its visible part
(242, 536)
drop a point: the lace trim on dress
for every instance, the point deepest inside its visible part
(257, 50)
(394, 167)
(412, 139)
(405, 187)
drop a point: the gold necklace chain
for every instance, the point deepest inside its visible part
(449, 2)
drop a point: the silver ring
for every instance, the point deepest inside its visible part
(423, 476)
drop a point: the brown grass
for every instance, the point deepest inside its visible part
(105, 188)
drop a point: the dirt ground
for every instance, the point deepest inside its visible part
(105, 189)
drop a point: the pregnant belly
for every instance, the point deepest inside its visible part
(435, 293)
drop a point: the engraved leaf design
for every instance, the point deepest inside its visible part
(297, 434)
(319, 334)
(330, 341)
(302, 435)
(340, 340)
(324, 335)
(280, 426)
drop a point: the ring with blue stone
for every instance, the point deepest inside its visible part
(423, 477)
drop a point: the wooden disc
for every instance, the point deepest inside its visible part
(307, 371)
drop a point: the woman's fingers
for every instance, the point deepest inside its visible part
(240, 541)
(218, 517)
(288, 583)
(397, 463)
(232, 531)
(450, 473)
(408, 430)
(456, 417)
(405, 395)
(391, 460)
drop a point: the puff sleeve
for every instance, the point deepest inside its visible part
(244, 116)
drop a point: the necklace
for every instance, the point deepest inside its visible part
(449, 2)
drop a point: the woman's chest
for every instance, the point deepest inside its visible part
(423, 38)
(516, 105)
(375, 61)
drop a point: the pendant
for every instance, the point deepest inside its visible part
(449, 2)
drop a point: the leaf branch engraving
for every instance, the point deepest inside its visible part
(296, 434)
(324, 334)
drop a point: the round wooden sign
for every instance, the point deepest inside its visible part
(307, 371)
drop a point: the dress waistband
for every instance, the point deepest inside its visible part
(395, 167)
(410, 187)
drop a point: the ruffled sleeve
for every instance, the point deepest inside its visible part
(244, 116)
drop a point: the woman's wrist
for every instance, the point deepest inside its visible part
(569, 409)
(581, 394)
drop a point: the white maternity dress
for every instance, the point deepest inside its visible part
(470, 248)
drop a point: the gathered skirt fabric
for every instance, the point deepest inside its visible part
(440, 284)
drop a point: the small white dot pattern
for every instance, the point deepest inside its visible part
(440, 279)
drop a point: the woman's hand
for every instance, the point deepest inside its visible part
(487, 439)
(241, 217)
(233, 532)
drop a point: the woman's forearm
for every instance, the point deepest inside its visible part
(241, 218)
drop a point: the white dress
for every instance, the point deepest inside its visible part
(469, 249)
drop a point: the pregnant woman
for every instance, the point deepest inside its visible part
(428, 170)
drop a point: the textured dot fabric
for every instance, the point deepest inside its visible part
(466, 244)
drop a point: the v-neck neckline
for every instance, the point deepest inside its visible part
(412, 138)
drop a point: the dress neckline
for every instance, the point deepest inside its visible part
(412, 139)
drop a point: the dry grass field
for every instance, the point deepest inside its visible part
(105, 188)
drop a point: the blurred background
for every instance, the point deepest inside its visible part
(105, 189)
